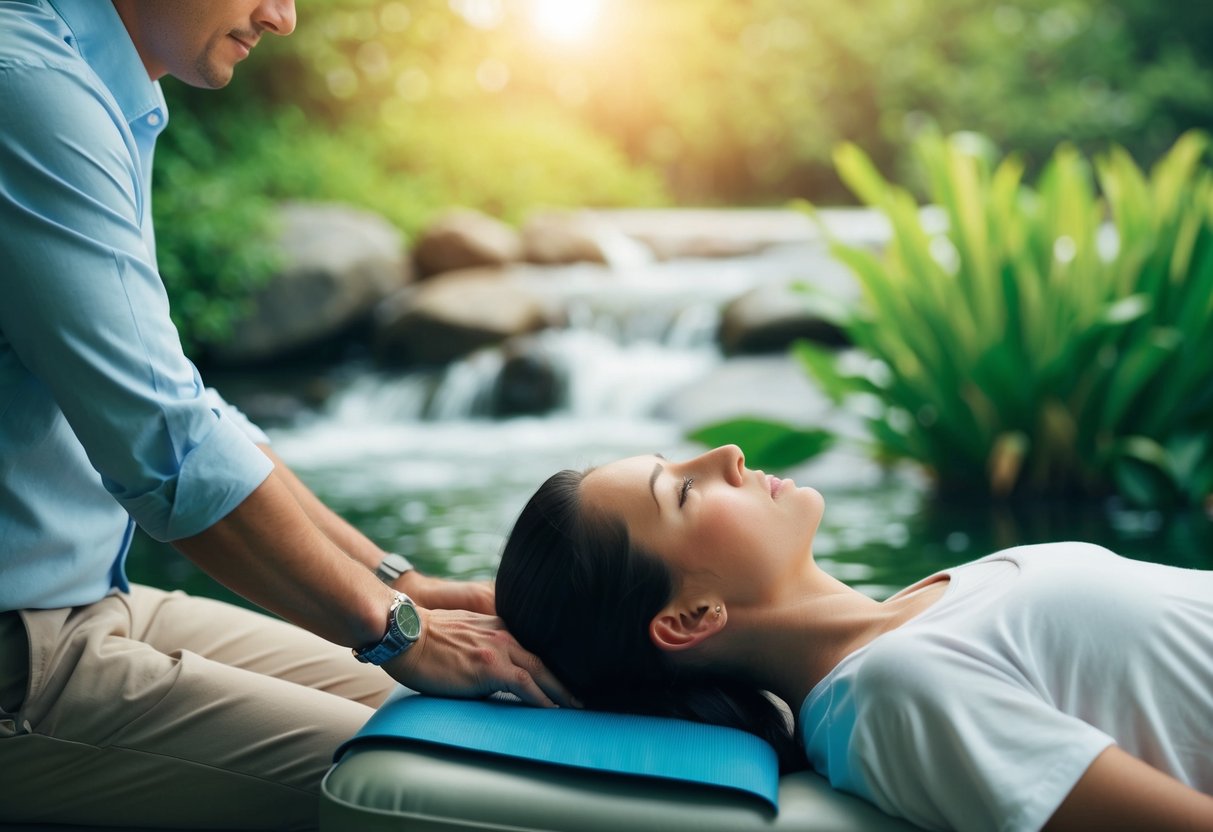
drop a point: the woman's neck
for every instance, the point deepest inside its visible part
(790, 643)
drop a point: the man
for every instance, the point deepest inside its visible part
(129, 706)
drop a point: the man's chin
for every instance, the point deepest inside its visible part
(209, 76)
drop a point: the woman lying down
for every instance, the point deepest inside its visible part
(1056, 686)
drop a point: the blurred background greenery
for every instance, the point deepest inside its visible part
(407, 108)
(410, 107)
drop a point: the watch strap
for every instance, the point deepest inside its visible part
(392, 567)
(394, 641)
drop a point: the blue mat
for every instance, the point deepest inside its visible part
(638, 745)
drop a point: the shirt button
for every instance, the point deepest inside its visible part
(153, 119)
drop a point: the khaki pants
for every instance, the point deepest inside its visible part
(159, 709)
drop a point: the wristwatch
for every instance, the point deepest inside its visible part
(392, 567)
(403, 630)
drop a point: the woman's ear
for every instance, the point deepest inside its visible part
(681, 626)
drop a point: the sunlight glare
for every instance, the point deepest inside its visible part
(565, 20)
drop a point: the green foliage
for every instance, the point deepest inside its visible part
(768, 445)
(408, 108)
(212, 231)
(218, 176)
(743, 101)
(1050, 341)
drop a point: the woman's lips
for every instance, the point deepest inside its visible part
(774, 483)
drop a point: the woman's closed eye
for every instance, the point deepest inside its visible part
(683, 489)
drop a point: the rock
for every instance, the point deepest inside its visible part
(777, 388)
(339, 262)
(464, 239)
(449, 316)
(675, 233)
(768, 387)
(771, 317)
(559, 238)
(531, 382)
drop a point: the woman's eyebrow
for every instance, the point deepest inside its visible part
(657, 469)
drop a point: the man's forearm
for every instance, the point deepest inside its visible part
(353, 542)
(269, 551)
(272, 553)
(435, 593)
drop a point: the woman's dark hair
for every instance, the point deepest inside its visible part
(577, 592)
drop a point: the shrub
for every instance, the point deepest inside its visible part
(1046, 342)
(1050, 341)
(212, 229)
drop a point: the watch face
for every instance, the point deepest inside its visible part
(408, 621)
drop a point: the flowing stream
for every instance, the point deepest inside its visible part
(412, 460)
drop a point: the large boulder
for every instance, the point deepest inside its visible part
(760, 386)
(338, 263)
(449, 316)
(531, 382)
(557, 238)
(465, 239)
(769, 318)
(777, 388)
(678, 233)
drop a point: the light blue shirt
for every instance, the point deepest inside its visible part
(103, 420)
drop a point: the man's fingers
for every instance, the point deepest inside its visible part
(523, 686)
(464, 653)
(543, 679)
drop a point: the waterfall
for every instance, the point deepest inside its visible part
(421, 459)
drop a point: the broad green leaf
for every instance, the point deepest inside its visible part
(767, 444)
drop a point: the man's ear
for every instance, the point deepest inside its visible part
(681, 626)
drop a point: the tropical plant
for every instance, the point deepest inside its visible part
(1043, 341)
(1049, 340)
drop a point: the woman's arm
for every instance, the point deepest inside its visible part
(1120, 792)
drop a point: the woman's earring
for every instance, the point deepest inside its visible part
(718, 610)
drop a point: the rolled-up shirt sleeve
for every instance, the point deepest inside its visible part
(83, 308)
(236, 416)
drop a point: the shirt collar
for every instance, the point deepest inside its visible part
(105, 45)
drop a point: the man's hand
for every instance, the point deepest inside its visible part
(469, 655)
(445, 594)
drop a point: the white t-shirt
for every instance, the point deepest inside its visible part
(984, 711)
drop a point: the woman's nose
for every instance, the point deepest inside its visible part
(728, 460)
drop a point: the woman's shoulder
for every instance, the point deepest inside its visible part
(1034, 565)
(1051, 554)
(1097, 571)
